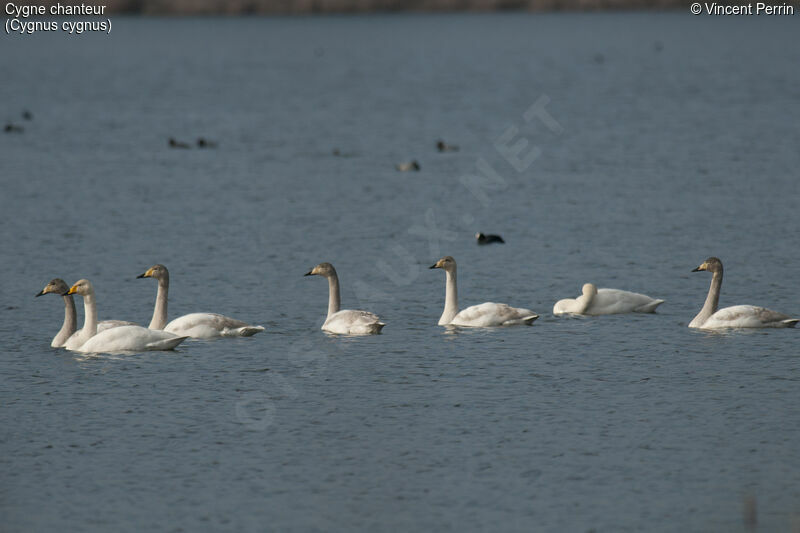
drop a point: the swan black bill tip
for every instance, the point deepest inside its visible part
(141, 276)
(432, 266)
(308, 273)
(696, 269)
(41, 292)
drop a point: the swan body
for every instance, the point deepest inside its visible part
(346, 321)
(737, 316)
(130, 339)
(349, 322)
(125, 338)
(594, 301)
(484, 315)
(209, 325)
(195, 325)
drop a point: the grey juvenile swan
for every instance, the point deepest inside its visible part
(196, 325)
(346, 321)
(484, 315)
(737, 316)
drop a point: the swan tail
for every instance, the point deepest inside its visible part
(248, 331)
(791, 322)
(649, 307)
(166, 344)
(528, 320)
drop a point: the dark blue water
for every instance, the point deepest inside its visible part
(667, 138)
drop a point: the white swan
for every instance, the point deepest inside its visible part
(484, 315)
(594, 301)
(738, 316)
(119, 339)
(58, 286)
(196, 325)
(346, 321)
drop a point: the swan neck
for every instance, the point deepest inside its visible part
(70, 322)
(450, 298)
(712, 300)
(583, 302)
(159, 320)
(90, 315)
(334, 300)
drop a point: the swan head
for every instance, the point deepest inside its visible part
(589, 289)
(159, 272)
(55, 286)
(447, 263)
(322, 269)
(712, 264)
(480, 236)
(82, 287)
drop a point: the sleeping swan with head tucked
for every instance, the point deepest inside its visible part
(737, 316)
(121, 338)
(345, 321)
(195, 325)
(483, 315)
(594, 301)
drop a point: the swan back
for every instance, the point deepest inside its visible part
(209, 325)
(349, 322)
(748, 316)
(492, 314)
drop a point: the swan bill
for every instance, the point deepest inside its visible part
(147, 274)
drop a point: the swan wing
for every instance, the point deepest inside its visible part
(77, 339)
(566, 306)
(108, 324)
(349, 322)
(748, 316)
(130, 339)
(614, 301)
(492, 314)
(208, 325)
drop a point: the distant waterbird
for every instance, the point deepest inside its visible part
(177, 144)
(444, 147)
(411, 165)
(13, 128)
(202, 142)
(488, 239)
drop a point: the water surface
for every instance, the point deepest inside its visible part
(676, 140)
